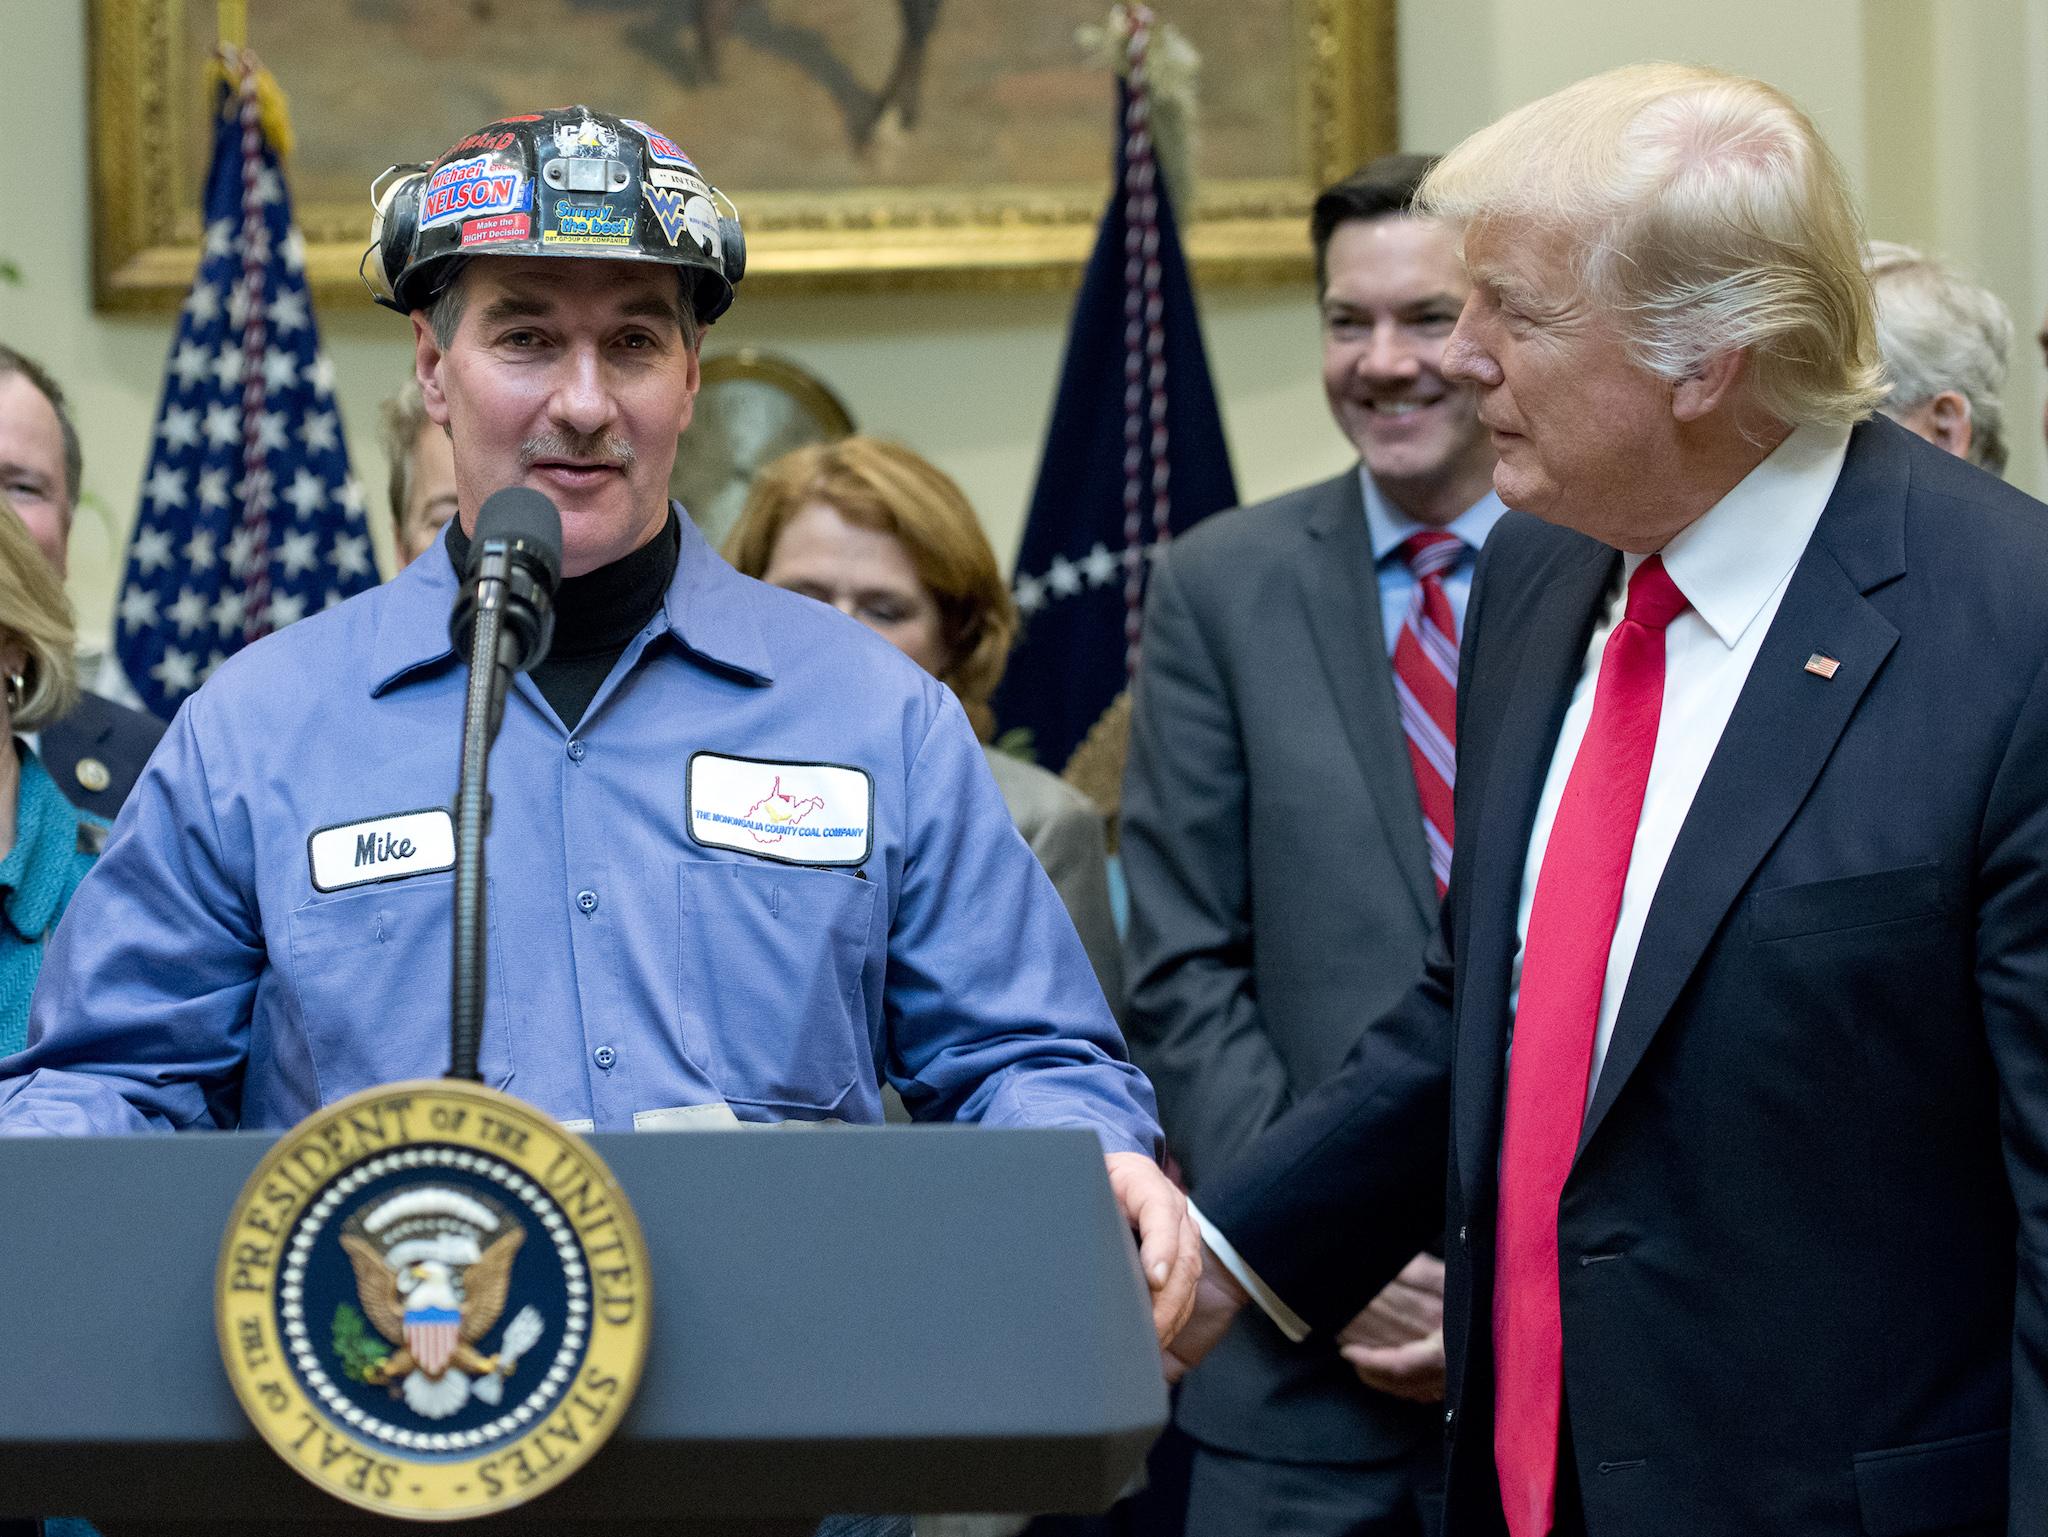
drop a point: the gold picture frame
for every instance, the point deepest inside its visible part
(148, 60)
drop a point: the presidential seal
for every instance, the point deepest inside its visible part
(432, 1300)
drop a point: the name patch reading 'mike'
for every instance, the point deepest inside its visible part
(798, 813)
(382, 849)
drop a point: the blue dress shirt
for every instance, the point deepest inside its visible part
(636, 973)
(1388, 526)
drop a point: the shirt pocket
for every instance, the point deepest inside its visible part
(770, 983)
(371, 972)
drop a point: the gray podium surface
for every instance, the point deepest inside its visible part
(903, 1319)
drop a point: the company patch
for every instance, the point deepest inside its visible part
(797, 813)
(462, 189)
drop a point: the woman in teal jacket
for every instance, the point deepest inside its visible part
(46, 843)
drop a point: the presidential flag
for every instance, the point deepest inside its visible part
(1134, 456)
(248, 518)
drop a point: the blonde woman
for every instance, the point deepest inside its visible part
(46, 843)
(886, 537)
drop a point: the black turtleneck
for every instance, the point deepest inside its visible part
(596, 616)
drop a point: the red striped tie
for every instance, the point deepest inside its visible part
(1426, 685)
(1564, 970)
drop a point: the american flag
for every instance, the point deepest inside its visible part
(249, 517)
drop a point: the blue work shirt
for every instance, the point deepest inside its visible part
(641, 968)
(1387, 526)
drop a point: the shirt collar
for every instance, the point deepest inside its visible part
(709, 607)
(1388, 525)
(1729, 560)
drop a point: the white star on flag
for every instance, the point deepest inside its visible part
(295, 251)
(350, 496)
(213, 488)
(268, 188)
(179, 428)
(220, 238)
(199, 552)
(1030, 595)
(189, 612)
(1100, 566)
(287, 312)
(229, 609)
(176, 672)
(299, 553)
(318, 431)
(280, 370)
(166, 488)
(241, 553)
(1062, 577)
(152, 549)
(227, 367)
(321, 375)
(270, 431)
(351, 555)
(238, 305)
(203, 303)
(190, 364)
(138, 607)
(307, 494)
(223, 426)
(285, 608)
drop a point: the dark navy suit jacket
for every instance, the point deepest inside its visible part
(117, 737)
(1804, 1244)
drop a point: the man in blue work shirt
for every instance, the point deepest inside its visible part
(746, 858)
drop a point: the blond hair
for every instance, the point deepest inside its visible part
(881, 485)
(1705, 214)
(35, 612)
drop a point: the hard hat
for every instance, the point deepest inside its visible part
(567, 182)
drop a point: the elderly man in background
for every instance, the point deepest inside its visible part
(1749, 1230)
(1296, 701)
(96, 749)
(1945, 341)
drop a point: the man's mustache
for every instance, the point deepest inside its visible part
(597, 448)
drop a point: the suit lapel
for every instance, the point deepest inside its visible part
(1343, 606)
(1543, 618)
(1785, 724)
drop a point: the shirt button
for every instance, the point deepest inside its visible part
(604, 1056)
(587, 900)
(1462, 1238)
(577, 750)
(1450, 1418)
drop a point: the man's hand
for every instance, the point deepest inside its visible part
(1217, 1299)
(1397, 1344)
(1169, 1248)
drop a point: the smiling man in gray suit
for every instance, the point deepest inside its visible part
(1286, 835)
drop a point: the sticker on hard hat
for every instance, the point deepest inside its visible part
(664, 149)
(576, 224)
(677, 181)
(502, 226)
(462, 189)
(702, 219)
(485, 141)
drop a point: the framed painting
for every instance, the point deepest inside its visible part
(867, 143)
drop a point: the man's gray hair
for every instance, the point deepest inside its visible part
(1940, 331)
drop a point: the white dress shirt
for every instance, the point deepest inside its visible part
(1733, 564)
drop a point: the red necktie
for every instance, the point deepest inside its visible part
(1426, 686)
(1564, 969)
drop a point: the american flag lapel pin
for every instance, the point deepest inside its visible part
(1821, 665)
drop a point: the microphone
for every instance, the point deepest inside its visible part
(515, 560)
(503, 621)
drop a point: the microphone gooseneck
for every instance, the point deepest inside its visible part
(503, 621)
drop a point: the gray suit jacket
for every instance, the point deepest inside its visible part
(1280, 894)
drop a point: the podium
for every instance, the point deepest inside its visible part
(880, 1320)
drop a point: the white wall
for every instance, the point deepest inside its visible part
(1938, 108)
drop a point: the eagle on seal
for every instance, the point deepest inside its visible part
(434, 1291)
